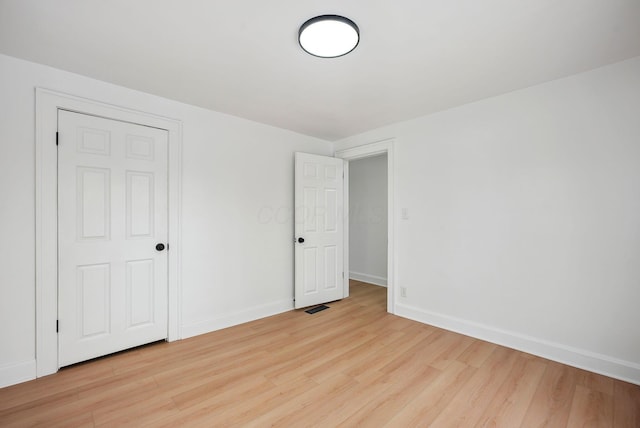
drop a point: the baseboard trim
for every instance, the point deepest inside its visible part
(371, 279)
(580, 358)
(12, 374)
(235, 318)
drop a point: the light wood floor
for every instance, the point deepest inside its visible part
(351, 365)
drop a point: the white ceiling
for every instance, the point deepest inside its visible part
(242, 58)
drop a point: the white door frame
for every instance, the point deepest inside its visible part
(362, 152)
(47, 105)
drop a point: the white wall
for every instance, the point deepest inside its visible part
(368, 220)
(237, 256)
(524, 218)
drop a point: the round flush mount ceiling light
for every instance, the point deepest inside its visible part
(329, 36)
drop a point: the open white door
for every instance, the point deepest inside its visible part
(319, 229)
(112, 222)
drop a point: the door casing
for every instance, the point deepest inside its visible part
(361, 152)
(47, 105)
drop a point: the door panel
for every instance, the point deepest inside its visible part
(140, 215)
(139, 292)
(318, 221)
(112, 211)
(93, 203)
(94, 294)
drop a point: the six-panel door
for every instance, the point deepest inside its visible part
(319, 223)
(112, 211)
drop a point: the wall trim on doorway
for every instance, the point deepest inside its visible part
(361, 152)
(580, 358)
(48, 103)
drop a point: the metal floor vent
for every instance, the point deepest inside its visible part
(317, 309)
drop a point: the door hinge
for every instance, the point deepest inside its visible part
(57, 326)
(57, 136)
(342, 275)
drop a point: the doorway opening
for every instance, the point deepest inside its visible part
(368, 225)
(369, 251)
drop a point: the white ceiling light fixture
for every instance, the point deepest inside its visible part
(329, 36)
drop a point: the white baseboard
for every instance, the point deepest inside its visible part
(580, 358)
(11, 374)
(235, 318)
(371, 279)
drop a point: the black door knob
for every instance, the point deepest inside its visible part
(301, 240)
(160, 247)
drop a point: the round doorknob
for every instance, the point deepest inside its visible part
(301, 240)
(159, 247)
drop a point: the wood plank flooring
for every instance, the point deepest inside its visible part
(351, 365)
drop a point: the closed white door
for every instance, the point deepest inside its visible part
(112, 236)
(319, 229)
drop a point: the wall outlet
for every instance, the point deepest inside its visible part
(403, 291)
